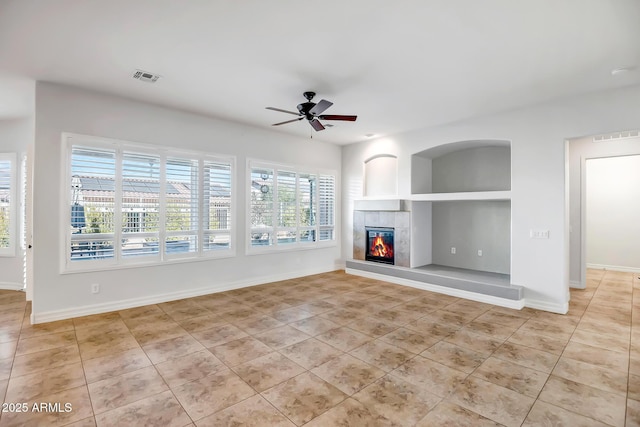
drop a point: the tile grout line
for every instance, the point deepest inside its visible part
(581, 317)
(84, 373)
(557, 361)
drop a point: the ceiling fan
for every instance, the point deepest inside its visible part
(312, 112)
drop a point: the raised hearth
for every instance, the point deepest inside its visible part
(481, 286)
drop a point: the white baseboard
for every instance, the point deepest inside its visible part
(502, 302)
(11, 286)
(547, 306)
(576, 284)
(54, 315)
(614, 267)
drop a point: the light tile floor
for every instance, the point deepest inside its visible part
(329, 350)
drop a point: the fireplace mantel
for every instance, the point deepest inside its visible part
(384, 205)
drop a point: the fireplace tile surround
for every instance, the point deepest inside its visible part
(400, 221)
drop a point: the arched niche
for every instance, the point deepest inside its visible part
(464, 166)
(381, 175)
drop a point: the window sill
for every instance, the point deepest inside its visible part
(96, 267)
(262, 250)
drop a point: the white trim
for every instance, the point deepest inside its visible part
(547, 306)
(576, 284)
(12, 286)
(502, 302)
(583, 213)
(91, 268)
(54, 315)
(614, 267)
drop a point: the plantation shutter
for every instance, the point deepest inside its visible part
(217, 205)
(7, 209)
(140, 204)
(181, 206)
(92, 186)
(326, 210)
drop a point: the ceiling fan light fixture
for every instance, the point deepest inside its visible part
(313, 112)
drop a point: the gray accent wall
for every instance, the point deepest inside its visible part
(472, 169)
(469, 226)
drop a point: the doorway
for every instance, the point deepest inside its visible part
(612, 208)
(621, 147)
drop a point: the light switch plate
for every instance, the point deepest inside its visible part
(539, 234)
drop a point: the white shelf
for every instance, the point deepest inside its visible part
(473, 195)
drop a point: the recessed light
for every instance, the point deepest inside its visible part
(622, 70)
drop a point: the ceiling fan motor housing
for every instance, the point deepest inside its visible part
(305, 107)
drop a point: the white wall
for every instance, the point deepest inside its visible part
(537, 138)
(581, 149)
(612, 212)
(65, 109)
(15, 136)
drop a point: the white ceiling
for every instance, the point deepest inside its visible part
(399, 65)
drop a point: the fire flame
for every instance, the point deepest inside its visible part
(380, 249)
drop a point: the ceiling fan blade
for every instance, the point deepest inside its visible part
(338, 117)
(288, 121)
(282, 111)
(316, 124)
(320, 107)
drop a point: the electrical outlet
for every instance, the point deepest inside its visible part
(479, 252)
(95, 288)
(453, 250)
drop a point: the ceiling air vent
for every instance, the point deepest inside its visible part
(145, 76)
(615, 136)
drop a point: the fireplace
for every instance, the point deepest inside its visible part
(379, 244)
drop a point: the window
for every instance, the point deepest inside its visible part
(217, 206)
(290, 207)
(182, 219)
(8, 214)
(140, 208)
(131, 204)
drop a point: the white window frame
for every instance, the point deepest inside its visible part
(70, 140)
(298, 245)
(12, 158)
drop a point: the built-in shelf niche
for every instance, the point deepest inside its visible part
(460, 197)
(466, 189)
(462, 167)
